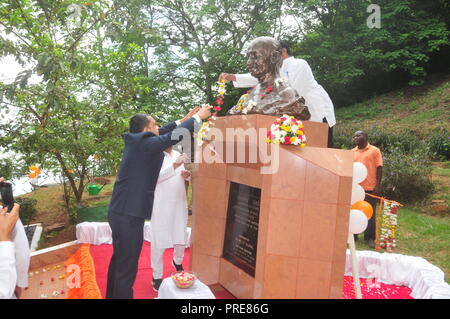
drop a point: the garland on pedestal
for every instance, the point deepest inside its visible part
(388, 226)
(204, 130)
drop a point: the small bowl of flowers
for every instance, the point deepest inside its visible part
(184, 279)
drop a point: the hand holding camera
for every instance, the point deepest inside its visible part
(8, 222)
(6, 194)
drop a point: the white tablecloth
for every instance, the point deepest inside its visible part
(100, 233)
(168, 290)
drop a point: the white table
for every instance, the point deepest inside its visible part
(168, 290)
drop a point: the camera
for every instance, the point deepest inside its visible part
(7, 195)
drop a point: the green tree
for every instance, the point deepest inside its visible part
(86, 90)
(353, 61)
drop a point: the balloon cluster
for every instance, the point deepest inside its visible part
(34, 171)
(361, 210)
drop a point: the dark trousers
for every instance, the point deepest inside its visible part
(370, 231)
(127, 237)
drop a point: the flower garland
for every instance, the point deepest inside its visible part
(388, 226)
(240, 105)
(287, 130)
(204, 129)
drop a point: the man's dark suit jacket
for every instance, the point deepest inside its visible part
(139, 170)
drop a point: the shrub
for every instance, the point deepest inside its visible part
(27, 209)
(407, 176)
(439, 144)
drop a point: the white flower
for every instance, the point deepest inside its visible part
(294, 128)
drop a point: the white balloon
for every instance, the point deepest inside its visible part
(358, 221)
(359, 172)
(358, 193)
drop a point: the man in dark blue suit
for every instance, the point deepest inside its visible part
(132, 198)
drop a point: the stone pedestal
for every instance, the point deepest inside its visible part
(303, 215)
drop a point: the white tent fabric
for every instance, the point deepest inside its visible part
(96, 233)
(425, 280)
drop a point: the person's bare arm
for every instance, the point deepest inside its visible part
(377, 189)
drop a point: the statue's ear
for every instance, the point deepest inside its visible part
(275, 57)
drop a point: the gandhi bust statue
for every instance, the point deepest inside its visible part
(272, 95)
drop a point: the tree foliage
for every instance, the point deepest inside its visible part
(87, 66)
(79, 107)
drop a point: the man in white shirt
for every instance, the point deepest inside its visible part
(300, 77)
(8, 274)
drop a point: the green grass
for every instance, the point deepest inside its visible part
(441, 171)
(421, 109)
(423, 236)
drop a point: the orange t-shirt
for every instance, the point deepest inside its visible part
(370, 156)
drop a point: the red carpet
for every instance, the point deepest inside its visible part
(143, 287)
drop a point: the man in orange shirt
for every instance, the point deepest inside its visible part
(371, 157)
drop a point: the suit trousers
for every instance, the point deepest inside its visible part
(127, 237)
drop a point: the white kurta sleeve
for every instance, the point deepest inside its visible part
(245, 81)
(8, 275)
(319, 103)
(22, 254)
(166, 172)
(301, 78)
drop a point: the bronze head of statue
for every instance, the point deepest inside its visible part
(272, 95)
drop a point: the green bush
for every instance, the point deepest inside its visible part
(27, 209)
(439, 144)
(407, 176)
(407, 166)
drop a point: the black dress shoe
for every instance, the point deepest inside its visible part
(177, 267)
(156, 283)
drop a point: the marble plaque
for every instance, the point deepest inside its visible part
(241, 232)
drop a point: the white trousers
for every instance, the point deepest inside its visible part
(157, 259)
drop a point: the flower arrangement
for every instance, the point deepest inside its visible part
(204, 129)
(388, 226)
(287, 130)
(184, 279)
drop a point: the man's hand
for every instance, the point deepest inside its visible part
(8, 222)
(179, 161)
(185, 174)
(204, 112)
(227, 77)
(190, 114)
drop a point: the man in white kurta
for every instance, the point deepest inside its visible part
(300, 77)
(170, 213)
